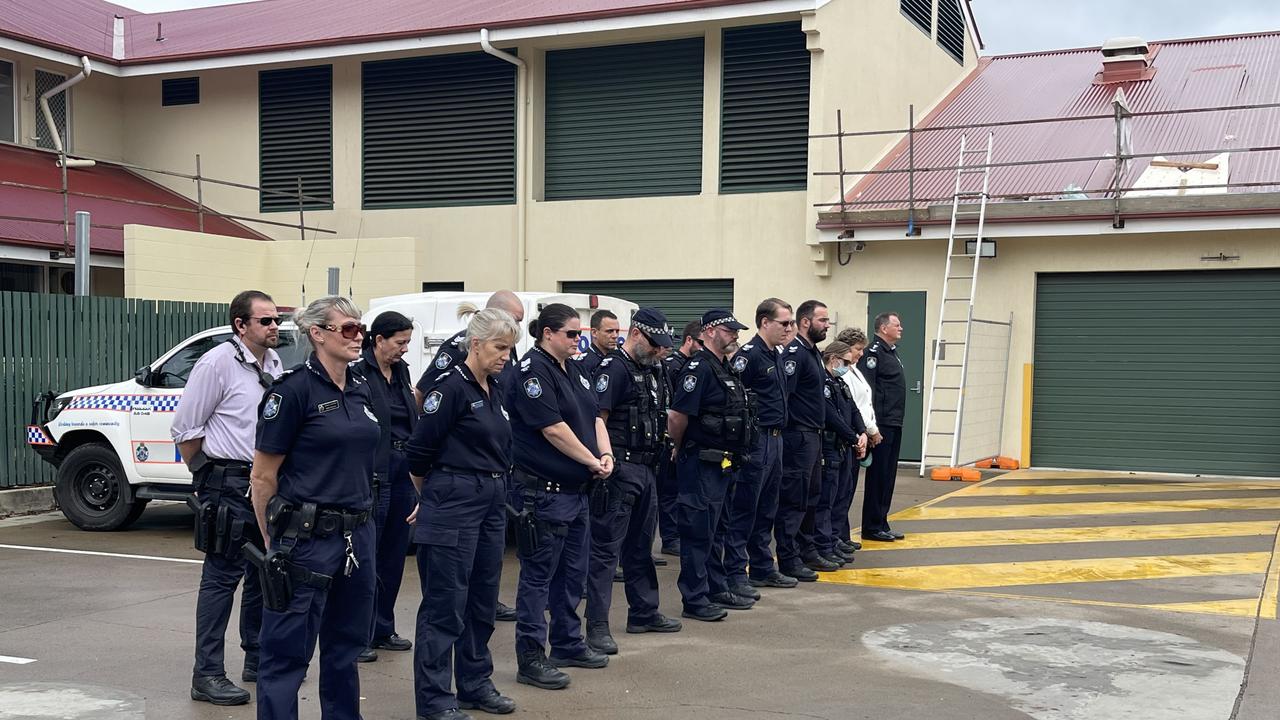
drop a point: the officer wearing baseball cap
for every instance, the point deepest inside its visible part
(711, 425)
(624, 513)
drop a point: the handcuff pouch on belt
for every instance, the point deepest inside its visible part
(218, 530)
(281, 577)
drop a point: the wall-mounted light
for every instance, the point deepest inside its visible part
(988, 248)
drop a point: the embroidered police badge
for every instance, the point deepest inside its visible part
(442, 360)
(602, 383)
(271, 408)
(533, 388)
(369, 413)
(690, 382)
(789, 367)
(432, 402)
(871, 363)
(826, 392)
(740, 363)
(584, 382)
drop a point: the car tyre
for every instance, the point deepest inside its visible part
(93, 491)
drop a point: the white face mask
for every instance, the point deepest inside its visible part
(841, 371)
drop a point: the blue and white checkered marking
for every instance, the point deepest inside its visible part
(125, 403)
(37, 436)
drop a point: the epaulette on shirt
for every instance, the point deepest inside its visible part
(746, 347)
(692, 364)
(873, 347)
(792, 348)
(605, 362)
(525, 365)
(287, 373)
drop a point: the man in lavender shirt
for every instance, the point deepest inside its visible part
(214, 428)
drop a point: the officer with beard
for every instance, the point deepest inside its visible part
(624, 512)
(805, 377)
(711, 426)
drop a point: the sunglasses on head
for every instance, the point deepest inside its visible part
(349, 331)
(264, 321)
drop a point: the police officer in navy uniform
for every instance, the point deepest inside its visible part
(561, 448)
(802, 441)
(312, 479)
(459, 458)
(711, 425)
(888, 380)
(672, 367)
(381, 363)
(842, 438)
(453, 352)
(604, 339)
(754, 506)
(623, 513)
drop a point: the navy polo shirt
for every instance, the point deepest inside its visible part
(804, 374)
(452, 352)
(840, 409)
(461, 427)
(590, 360)
(761, 372)
(695, 390)
(328, 436)
(542, 395)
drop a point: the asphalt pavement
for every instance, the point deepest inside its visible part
(1052, 596)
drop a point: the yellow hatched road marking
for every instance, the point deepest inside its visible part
(1046, 536)
(1267, 607)
(1085, 508)
(1050, 572)
(1110, 489)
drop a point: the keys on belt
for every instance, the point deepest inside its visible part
(399, 445)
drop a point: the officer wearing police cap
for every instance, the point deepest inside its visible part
(711, 425)
(624, 510)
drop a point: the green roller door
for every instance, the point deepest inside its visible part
(1160, 371)
(680, 300)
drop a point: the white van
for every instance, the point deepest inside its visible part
(111, 443)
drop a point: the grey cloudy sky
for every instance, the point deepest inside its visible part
(1010, 26)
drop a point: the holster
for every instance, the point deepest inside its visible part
(601, 498)
(528, 539)
(206, 523)
(281, 577)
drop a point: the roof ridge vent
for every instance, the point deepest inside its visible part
(1126, 59)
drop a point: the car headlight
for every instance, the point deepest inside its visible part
(56, 406)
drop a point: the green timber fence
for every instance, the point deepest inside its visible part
(60, 343)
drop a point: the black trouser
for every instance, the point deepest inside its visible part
(881, 476)
(668, 490)
(624, 533)
(219, 577)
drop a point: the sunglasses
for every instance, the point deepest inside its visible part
(571, 334)
(783, 323)
(349, 331)
(265, 320)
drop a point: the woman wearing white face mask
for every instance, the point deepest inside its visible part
(857, 340)
(843, 440)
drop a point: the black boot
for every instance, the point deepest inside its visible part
(536, 671)
(505, 613)
(600, 639)
(217, 689)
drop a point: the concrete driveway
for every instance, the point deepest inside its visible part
(1046, 595)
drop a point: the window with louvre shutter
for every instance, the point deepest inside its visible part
(624, 120)
(919, 12)
(951, 29)
(764, 117)
(180, 91)
(295, 137)
(439, 131)
(680, 300)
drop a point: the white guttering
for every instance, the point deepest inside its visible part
(1065, 228)
(522, 159)
(502, 35)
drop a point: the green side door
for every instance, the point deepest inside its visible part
(910, 307)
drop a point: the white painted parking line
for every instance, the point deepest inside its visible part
(16, 660)
(123, 556)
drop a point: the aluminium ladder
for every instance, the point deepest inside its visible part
(945, 410)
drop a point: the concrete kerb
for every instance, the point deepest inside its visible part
(26, 500)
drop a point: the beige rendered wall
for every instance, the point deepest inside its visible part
(97, 120)
(168, 264)
(869, 60)
(1007, 284)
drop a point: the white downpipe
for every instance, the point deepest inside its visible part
(522, 161)
(85, 70)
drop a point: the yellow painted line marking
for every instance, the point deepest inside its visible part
(1046, 536)
(1085, 508)
(1110, 489)
(1029, 474)
(1267, 607)
(1244, 607)
(1052, 572)
(928, 503)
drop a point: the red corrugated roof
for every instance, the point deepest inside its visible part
(86, 26)
(1197, 73)
(31, 167)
